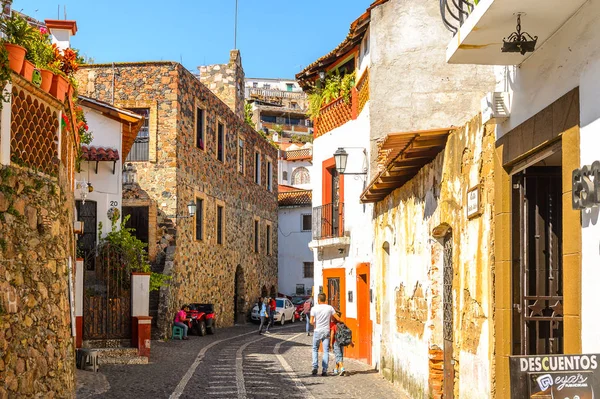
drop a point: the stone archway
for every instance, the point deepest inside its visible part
(239, 295)
(263, 291)
(273, 292)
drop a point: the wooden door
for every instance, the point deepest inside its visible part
(363, 303)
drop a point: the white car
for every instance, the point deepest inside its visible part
(284, 311)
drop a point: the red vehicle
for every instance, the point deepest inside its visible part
(203, 318)
(298, 302)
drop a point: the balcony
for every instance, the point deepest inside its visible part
(479, 29)
(328, 226)
(297, 155)
(273, 96)
(286, 127)
(339, 111)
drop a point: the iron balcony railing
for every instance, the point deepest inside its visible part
(455, 12)
(274, 93)
(328, 221)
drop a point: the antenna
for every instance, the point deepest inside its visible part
(235, 26)
(58, 11)
(65, 11)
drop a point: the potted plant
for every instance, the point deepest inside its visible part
(41, 53)
(18, 35)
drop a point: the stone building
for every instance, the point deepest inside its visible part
(196, 149)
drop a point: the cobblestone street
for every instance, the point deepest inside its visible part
(234, 363)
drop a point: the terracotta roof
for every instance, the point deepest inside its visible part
(401, 156)
(297, 197)
(91, 153)
(62, 24)
(354, 37)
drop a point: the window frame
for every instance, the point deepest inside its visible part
(241, 167)
(269, 238)
(312, 268)
(302, 222)
(256, 235)
(269, 173)
(146, 124)
(220, 122)
(219, 204)
(202, 212)
(257, 166)
(200, 106)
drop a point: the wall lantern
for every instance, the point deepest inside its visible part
(586, 186)
(191, 209)
(519, 42)
(322, 75)
(341, 160)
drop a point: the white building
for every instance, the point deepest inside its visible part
(289, 85)
(98, 191)
(295, 259)
(544, 138)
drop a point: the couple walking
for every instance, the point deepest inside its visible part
(266, 308)
(325, 319)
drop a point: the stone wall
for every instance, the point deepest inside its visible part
(412, 328)
(36, 242)
(227, 81)
(201, 271)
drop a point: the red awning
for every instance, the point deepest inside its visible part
(95, 154)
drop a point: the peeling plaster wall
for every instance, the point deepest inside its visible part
(409, 292)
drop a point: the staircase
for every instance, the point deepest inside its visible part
(115, 352)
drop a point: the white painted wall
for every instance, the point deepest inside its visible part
(107, 186)
(276, 84)
(358, 217)
(289, 167)
(293, 249)
(570, 58)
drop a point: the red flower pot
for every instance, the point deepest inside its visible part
(47, 77)
(59, 87)
(27, 70)
(16, 56)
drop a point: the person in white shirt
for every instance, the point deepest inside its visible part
(320, 318)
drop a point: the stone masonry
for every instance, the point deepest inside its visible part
(178, 172)
(36, 241)
(226, 81)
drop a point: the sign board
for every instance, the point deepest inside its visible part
(555, 376)
(473, 202)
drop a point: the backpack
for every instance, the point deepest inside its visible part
(343, 335)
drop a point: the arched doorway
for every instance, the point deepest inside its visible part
(273, 292)
(239, 294)
(263, 291)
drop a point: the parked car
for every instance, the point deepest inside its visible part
(203, 318)
(284, 311)
(298, 302)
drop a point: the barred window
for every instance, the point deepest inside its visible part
(309, 269)
(140, 151)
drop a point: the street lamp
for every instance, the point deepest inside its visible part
(341, 159)
(191, 208)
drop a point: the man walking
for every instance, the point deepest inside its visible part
(306, 312)
(320, 317)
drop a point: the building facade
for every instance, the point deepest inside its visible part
(197, 150)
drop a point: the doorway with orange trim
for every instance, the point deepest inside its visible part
(363, 302)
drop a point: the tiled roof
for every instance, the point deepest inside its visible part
(298, 197)
(92, 153)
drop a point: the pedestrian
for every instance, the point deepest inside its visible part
(306, 312)
(272, 308)
(181, 320)
(320, 317)
(264, 316)
(338, 345)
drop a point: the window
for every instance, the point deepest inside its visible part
(257, 167)
(266, 86)
(290, 86)
(269, 175)
(255, 85)
(140, 151)
(220, 211)
(309, 269)
(284, 175)
(241, 156)
(200, 136)
(199, 219)
(268, 238)
(300, 176)
(220, 142)
(294, 105)
(307, 222)
(256, 236)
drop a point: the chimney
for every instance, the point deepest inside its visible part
(226, 81)
(61, 32)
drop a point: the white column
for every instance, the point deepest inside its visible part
(79, 288)
(5, 128)
(140, 294)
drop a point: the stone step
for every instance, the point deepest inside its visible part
(120, 356)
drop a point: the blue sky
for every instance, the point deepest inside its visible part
(277, 38)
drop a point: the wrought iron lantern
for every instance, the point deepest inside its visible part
(191, 209)
(129, 174)
(341, 158)
(519, 42)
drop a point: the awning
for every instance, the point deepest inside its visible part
(401, 156)
(99, 154)
(295, 198)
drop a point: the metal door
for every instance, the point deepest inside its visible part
(335, 202)
(448, 319)
(537, 262)
(333, 292)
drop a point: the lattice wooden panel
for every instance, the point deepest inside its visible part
(363, 91)
(34, 133)
(333, 115)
